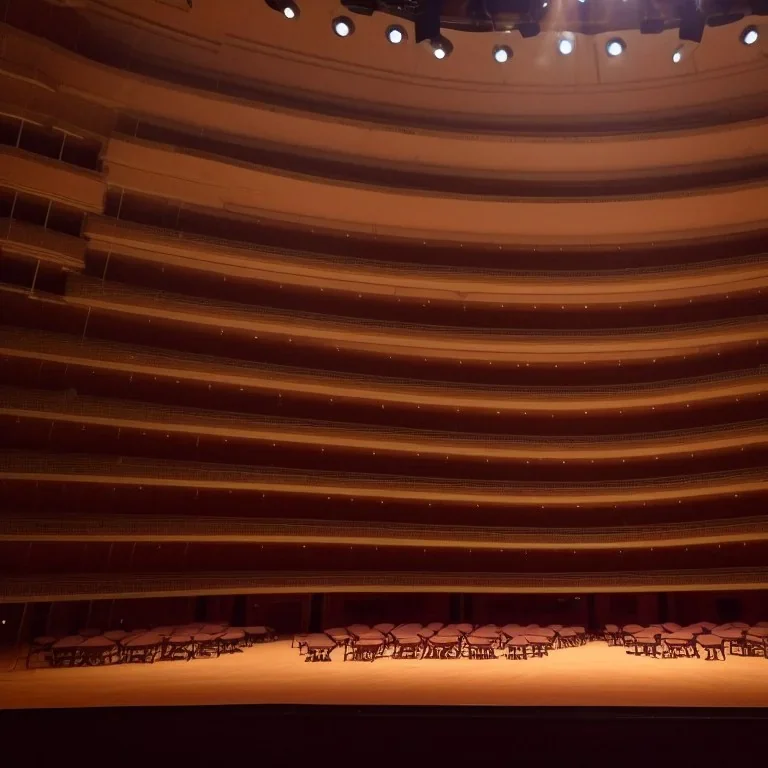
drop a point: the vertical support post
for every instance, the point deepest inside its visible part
(316, 610)
(106, 267)
(663, 605)
(22, 622)
(63, 142)
(591, 616)
(85, 325)
(34, 278)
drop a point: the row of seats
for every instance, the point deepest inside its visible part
(670, 640)
(361, 642)
(92, 647)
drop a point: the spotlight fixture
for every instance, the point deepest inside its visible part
(288, 8)
(749, 36)
(566, 43)
(442, 47)
(677, 55)
(343, 26)
(692, 22)
(502, 54)
(396, 34)
(615, 47)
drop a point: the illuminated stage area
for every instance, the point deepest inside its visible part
(593, 675)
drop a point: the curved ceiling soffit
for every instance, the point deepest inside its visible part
(140, 361)
(45, 406)
(609, 288)
(495, 156)
(95, 470)
(236, 38)
(410, 340)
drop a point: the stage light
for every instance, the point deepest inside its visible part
(288, 8)
(396, 34)
(566, 43)
(502, 54)
(692, 23)
(442, 47)
(343, 26)
(750, 36)
(677, 55)
(615, 47)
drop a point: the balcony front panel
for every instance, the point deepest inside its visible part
(67, 422)
(112, 267)
(42, 347)
(52, 179)
(400, 340)
(86, 586)
(168, 172)
(125, 557)
(249, 263)
(22, 526)
(31, 300)
(84, 469)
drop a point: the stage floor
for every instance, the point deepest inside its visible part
(593, 675)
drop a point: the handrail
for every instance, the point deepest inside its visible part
(78, 287)
(51, 404)
(20, 463)
(37, 588)
(39, 342)
(426, 270)
(23, 525)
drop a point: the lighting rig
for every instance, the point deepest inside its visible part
(529, 17)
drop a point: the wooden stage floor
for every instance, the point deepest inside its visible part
(594, 675)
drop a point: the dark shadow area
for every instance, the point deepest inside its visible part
(292, 735)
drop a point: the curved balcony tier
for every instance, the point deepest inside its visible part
(133, 360)
(162, 528)
(170, 172)
(617, 288)
(168, 216)
(60, 408)
(84, 469)
(31, 588)
(34, 243)
(54, 180)
(418, 341)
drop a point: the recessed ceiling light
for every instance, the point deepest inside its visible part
(566, 43)
(502, 53)
(677, 55)
(615, 47)
(442, 47)
(343, 26)
(396, 34)
(287, 8)
(750, 36)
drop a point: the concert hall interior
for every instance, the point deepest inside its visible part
(425, 339)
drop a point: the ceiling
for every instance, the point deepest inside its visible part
(303, 59)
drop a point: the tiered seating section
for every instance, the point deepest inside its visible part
(360, 642)
(91, 647)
